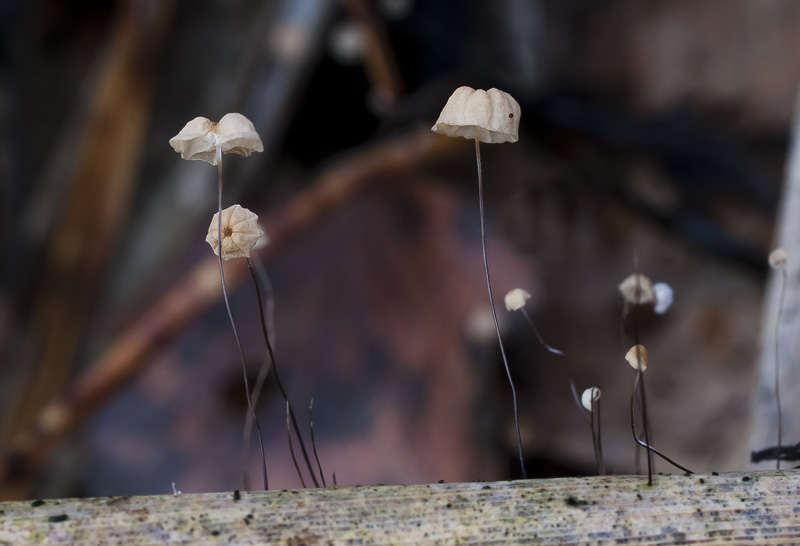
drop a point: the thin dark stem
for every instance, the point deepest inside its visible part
(277, 377)
(262, 373)
(554, 351)
(233, 323)
(777, 365)
(635, 316)
(291, 446)
(314, 442)
(491, 302)
(601, 463)
(646, 445)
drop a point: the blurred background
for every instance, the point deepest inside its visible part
(649, 129)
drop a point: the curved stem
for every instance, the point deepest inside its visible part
(278, 379)
(491, 302)
(233, 323)
(266, 364)
(646, 445)
(555, 351)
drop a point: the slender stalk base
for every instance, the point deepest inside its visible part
(491, 302)
(233, 323)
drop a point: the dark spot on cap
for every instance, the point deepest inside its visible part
(37, 503)
(746, 479)
(702, 480)
(715, 473)
(511, 116)
(440, 481)
(58, 519)
(236, 495)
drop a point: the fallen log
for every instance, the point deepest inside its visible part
(732, 508)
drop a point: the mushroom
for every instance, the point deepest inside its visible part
(515, 301)
(240, 232)
(204, 140)
(637, 357)
(492, 117)
(778, 260)
(591, 401)
(637, 289)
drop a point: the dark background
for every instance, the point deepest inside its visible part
(651, 129)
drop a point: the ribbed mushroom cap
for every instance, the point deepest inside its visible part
(234, 134)
(516, 298)
(637, 289)
(240, 232)
(494, 113)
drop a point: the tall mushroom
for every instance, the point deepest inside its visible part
(493, 117)
(203, 140)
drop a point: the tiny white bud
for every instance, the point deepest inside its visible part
(664, 294)
(637, 355)
(637, 289)
(778, 258)
(590, 395)
(516, 298)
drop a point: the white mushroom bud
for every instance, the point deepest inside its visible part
(778, 258)
(240, 232)
(637, 355)
(664, 295)
(516, 298)
(493, 113)
(637, 289)
(590, 395)
(199, 139)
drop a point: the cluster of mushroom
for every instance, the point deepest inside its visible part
(203, 140)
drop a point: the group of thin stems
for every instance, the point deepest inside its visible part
(290, 416)
(639, 381)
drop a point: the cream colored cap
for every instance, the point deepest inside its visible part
(515, 299)
(637, 283)
(778, 258)
(234, 134)
(495, 113)
(636, 355)
(590, 395)
(240, 232)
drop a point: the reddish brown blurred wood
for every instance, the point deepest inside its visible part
(192, 295)
(93, 211)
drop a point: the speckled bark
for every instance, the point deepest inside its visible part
(756, 508)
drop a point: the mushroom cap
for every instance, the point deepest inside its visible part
(637, 283)
(240, 232)
(778, 258)
(516, 298)
(637, 354)
(199, 138)
(664, 296)
(494, 113)
(592, 394)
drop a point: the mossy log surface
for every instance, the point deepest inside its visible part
(736, 508)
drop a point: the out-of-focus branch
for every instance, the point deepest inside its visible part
(92, 210)
(194, 294)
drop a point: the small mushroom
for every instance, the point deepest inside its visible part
(664, 295)
(516, 298)
(637, 289)
(199, 139)
(492, 117)
(240, 232)
(637, 356)
(590, 395)
(778, 258)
